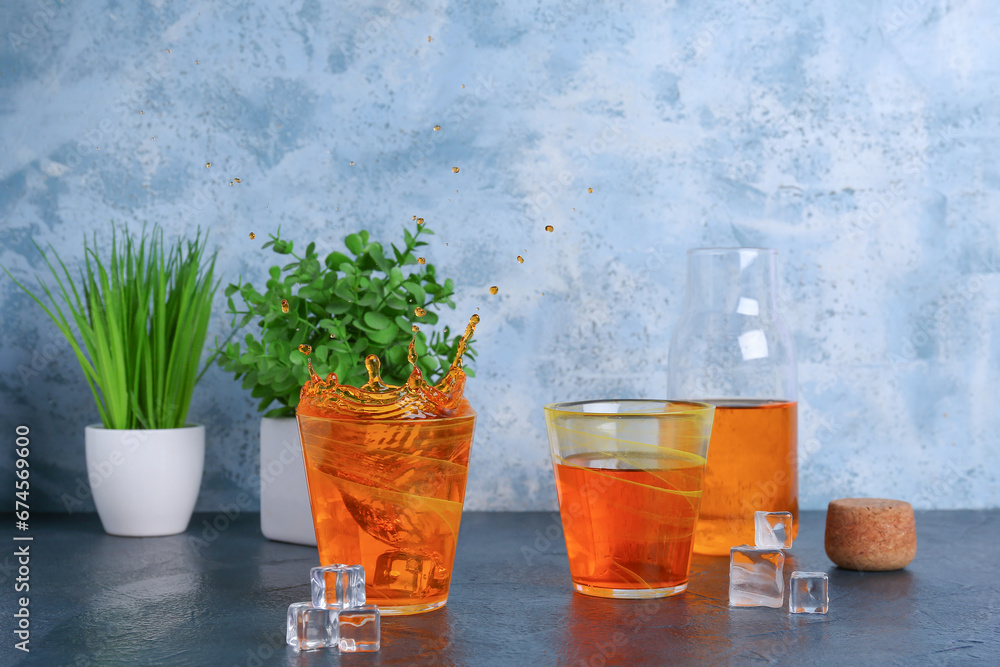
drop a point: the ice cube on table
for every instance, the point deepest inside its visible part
(338, 586)
(808, 593)
(309, 628)
(360, 629)
(401, 571)
(773, 529)
(756, 577)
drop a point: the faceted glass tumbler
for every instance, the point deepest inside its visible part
(629, 479)
(360, 629)
(309, 628)
(338, 586)
(773, 529)
(808, 593)
(756, 577)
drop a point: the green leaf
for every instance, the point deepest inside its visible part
(416, 291)
(377, 320)
(354, 243)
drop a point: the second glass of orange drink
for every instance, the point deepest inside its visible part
(629, 477)
(386, 468)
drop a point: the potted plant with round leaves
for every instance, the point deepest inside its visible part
(141, 318)
(332, 311)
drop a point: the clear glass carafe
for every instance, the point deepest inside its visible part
(731, 349)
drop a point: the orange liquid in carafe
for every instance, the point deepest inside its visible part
(752, 465)
(628, 528)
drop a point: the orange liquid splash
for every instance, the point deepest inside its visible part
(376, 400)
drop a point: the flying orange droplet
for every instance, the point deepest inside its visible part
(237, 180)
(352, 163)
(414, 328)
(454, 170)
(420, 221)
(421, 260)
(230, 182)
(419, 312)
(494, 289)
(284, 305)
(550, 228)
(590, 190)
(252, 236)
(437, 128)
(207, 165)
(429, 38)
(305, 349)
(413, 218)
(520, 260)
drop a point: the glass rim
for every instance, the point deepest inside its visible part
(689, 407)
(720, 250)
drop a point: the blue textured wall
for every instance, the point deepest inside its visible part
(860, 139)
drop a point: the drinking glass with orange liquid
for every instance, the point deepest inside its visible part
(731, 349)
(629, 479)
(386, 468)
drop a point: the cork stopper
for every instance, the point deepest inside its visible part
(870, 534)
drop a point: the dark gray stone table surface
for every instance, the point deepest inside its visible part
(219, 598)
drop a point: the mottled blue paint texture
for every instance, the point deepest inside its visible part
(860, 139)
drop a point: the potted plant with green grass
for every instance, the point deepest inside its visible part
(332, 311)
(141, 319)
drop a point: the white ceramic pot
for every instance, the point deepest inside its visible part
(285, 514)
(145, 482)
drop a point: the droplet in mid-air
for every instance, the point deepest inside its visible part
(208, 165)
(252, 236)
(143, 113)
(437, 128)
(414, 328)
(352, 163)
(520, 260)
(284, 305)
(230, 182)
(429, 38)
(420, 221)
(494, 289)
(332, 336)
(421, 260)
(454, 170)
(590, 190)
(419, 312)
(305, 349)
(413, 218)
(237, 180)
(550, 228)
